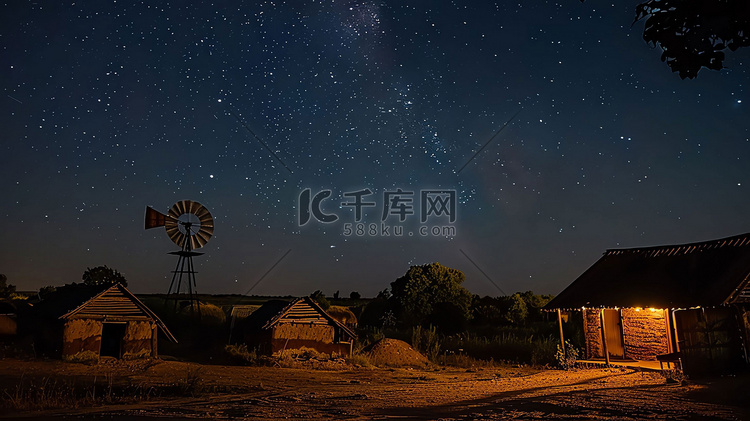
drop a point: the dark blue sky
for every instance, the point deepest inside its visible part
(109, 107)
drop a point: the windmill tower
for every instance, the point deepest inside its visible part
(189, 225)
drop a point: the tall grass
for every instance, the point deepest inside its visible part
(426, 341)
(50, 393)
(506, 346)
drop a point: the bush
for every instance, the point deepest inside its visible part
(359, 359)
(240, 354)
(426, 341)
(82, 357)
(507, 346)
(210, 314)
(320, 298)
(566, 360)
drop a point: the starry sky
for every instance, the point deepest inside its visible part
(111, 106)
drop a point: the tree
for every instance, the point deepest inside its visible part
(517, 310)
(535, 303)
(320, 298)
(45, 291)
(355, 295)
(424, 289)
(6, 289)
(102, 275)
(694, 33)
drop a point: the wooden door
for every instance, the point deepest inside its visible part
(613, 333)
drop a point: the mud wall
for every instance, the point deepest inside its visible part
(309, 332)
(137, 341)
(317, 337)
(644, 333)
(81, 335)
(592, 332)
(325, 348)
(8, 325)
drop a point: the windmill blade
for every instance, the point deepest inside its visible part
(207, 230)
(174, 233)
(201, 237)
(197, 233)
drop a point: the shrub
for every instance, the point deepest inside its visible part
(359, 359)
(507, 346)
(192, 383)
(210, 314)
(240, 354)
(82, 357)
(566, 359)
(426, 341)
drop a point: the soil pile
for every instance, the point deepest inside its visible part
(394, 353)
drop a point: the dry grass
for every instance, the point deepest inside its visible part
(51, 393)
(65, 392)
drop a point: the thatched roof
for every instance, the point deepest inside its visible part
(300, 310)
(258, 318)
(708, 273)
(96, 301)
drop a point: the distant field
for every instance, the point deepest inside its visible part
(229, 300)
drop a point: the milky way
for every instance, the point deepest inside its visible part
(109, 107)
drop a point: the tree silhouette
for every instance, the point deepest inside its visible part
(423, 290)
(694, 33)
(102, 275)
(320, 298)
(6, 290)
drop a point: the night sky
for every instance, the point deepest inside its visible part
(111, 106)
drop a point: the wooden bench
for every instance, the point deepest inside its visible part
(671, 358)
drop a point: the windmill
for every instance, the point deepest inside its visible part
(189, 225)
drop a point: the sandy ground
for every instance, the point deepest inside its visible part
(228, 392)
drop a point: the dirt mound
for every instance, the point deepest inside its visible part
(394, 353)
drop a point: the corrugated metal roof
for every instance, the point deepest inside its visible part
(672, 276)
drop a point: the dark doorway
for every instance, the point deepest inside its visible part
(112, 334)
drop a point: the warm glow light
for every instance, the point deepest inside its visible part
(637, 309)
(651, 309)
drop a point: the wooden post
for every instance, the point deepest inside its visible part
(559, 323)
(604, 336)
(670, 339)
(154, 335)
(674, 331)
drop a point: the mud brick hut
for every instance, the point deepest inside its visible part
(280, 325)
(684, 303)
(92, 321)
(8, 324)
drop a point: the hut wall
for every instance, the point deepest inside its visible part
(310, 332)
(8, 325)
(645, 333)
(592, 332)
(81, 335)
(137, 341)
(318, 337)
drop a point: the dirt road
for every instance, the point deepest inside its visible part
(227, 392)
